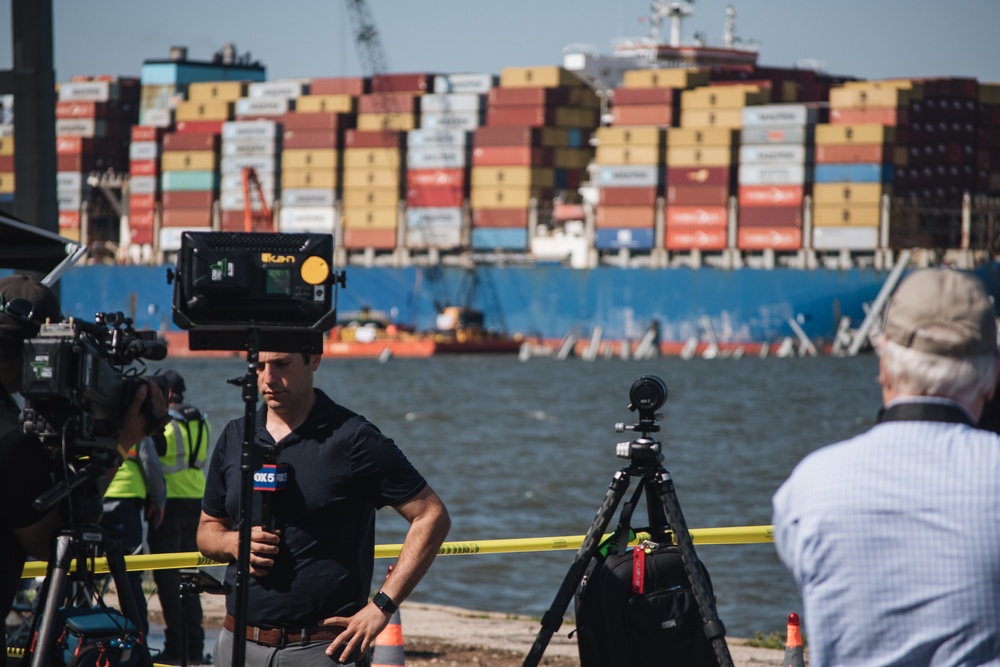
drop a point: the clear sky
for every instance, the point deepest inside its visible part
(304, 38)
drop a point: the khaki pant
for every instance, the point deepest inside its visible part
(292, 655)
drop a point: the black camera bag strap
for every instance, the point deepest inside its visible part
(924, 412)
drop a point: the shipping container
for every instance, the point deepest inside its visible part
(500, 217)
(617, 217)
(370, 158)
(845, 238)
(665, 78)
(385, 177)
(345, 85)
(854, 173)
(627, 196)
(633, 176)
(308, 197)
(452, 121)
(439, 178)
(781, 115)
(782, 153)
(299, 120)
(770, 195)
(346, 104)
(855, 153)
(844, 193)
(371, 218)
(464, 83)
(623, 155)
(511, 156)
(187, 180)
(190, 141)
(310, 178)
(436, 137)
(626, 238)
(698, 195)
(695, 237)
(307, 219)
(705, 156)
(788, 134)
(186, 217)
(852, 214)
(697, 215)
(498, 238)
(537, 77)
(770, 216)
(775, 174)
(434, 217)
(310, 158)
(769, 238)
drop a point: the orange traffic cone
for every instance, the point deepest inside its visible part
(388, 649)
(793, 644)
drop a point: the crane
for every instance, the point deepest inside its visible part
(254, 221)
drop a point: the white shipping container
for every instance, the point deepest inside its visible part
(287, 88)
(143, 185)
(69, 200)
(308, 197)
(433, 237)
(421, 138)
(234, 180)
(629, 176)
(143, 150)
(249, 147)
(232, 200)
(263, 106)
(775, 174)
(313, 219)
(777, 134)
(261, 165)
(249, 129)
(434, 217)
(845, 238)
(6, 130)
(451, 121)
(464, 83)
(435, 157)
(80, 127)
(157, 117)
(780, 114)
(88, 91)
(786, 153)
(451, 103)
(69, 180)
(170, 237)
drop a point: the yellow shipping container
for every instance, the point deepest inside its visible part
(370, 197)
(571, 158)
(865, 133)
(916, 88)
(725, 118)
(309, 178)
(665, 78)
(6, 146)
(537, 77)
(329, 103)
(310, 158)
(508, 196)
(203, 110)
(542, 177)
(397, 122)
(849, 193)
(853, 215)
(6, 182)
(375, 178)
(705, 156)
(863, 98)
(789, 91)
(989, 93)
(228, 91)
(724, 97)
(370, 217)
(189, 161)
(583, 96)
(575, 117)
(701, 136)
(620, 155)
(380, 158)
(631, 135)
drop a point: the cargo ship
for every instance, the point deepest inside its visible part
(681, 186)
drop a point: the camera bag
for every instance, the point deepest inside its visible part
(100, 637)
(634, 606)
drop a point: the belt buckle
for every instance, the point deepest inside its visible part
(283, 642)
(256, 634)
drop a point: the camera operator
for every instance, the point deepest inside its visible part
(25, 304)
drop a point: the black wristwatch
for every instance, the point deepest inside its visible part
(385, 603)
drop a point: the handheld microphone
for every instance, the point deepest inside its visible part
(269, 479)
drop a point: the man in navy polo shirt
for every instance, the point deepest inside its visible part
(311, 575)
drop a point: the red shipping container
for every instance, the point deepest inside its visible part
(769, 238)
(429, 196)
(380, 239)
(142, 201)
(311, 139)
(450, 178)
(141, 235)
(140, 217)
(6, 163)
(389, 103)
(69, 220)
(81, 110)
(643, 114)
(232, 221)
(146, 133)
(507, 136)
(340, 85)
(697, 215)
(632, 217)
(85, 162)
(697, 195)
(855, 153)
(186, 217)
(75, 145)
(689, 237)
(144, 167)
(699, 176)
(505, 218)
(627, 196)
(770, 216)
(191, 141)
(871, 115)
(201, 126)
(574, 177)
(657, 96)
(373, 139)
(771, 195)
(197, 199)
(501, 156)
(505, 97)
(401, 83)
(318, 120)
(532, 116)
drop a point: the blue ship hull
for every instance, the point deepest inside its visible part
(748, 305)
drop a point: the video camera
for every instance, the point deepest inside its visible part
(79, 380)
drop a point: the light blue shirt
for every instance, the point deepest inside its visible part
(894, 540)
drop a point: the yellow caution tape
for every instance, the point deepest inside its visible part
(731, 535)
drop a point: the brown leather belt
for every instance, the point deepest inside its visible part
(282, 636)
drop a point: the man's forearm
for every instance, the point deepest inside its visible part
(217, 542)
(420, 548)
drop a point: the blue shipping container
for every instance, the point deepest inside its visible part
(494, 238)
(854, 173)
(615, 239)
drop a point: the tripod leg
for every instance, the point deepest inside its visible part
(55, 578)
(126, 599)
(713, 627)
(552, 620)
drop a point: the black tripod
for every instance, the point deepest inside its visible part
(645, 458)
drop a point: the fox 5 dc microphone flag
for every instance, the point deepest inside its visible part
(271, 477)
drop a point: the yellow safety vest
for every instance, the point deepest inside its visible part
(128, 481)
(187, 437)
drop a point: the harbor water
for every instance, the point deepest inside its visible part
(527, 449)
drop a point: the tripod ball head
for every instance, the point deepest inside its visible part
(647, 394)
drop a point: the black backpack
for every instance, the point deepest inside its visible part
(635, 607)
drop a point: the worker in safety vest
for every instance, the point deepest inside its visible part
(183, 446)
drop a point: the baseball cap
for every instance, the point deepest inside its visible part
(25, 304)
(943, 312)
(175, 382)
